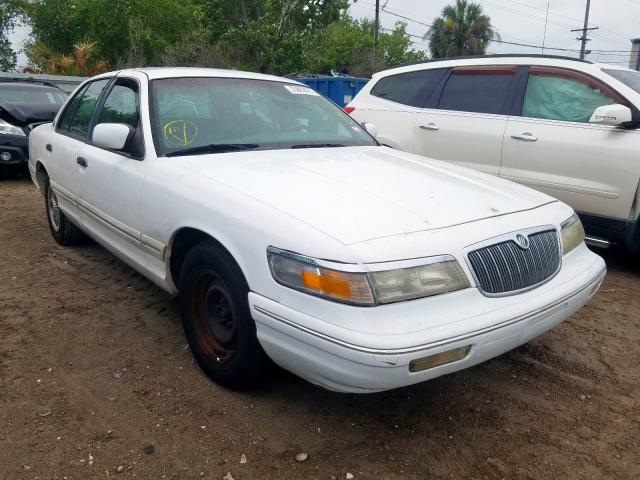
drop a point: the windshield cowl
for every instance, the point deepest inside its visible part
(214, 148)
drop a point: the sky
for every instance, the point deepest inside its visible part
(19, 35)
(523, 21)
(517, 21)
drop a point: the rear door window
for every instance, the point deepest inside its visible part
(412, 88)
(480, 90)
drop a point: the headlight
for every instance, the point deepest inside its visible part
(305, 274)
(439, 276)
(572, 233)
(8, 129)
(343, 283)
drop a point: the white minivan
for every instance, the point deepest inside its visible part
(560, 125)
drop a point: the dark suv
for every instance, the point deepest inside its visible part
(24, 104)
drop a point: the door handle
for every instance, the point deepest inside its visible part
(82, 162)
(49, 147)
(526, 137)
(430, 126)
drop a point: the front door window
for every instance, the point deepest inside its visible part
(561, 96)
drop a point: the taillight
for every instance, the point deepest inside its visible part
(348, 109)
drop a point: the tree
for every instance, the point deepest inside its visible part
(82, 61)
(462, 29)
(268, 35)
(7, 22)
(348, 45)
(273, 36)
(60, 25)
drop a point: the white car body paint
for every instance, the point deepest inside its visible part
(354, 205)
(592, 167)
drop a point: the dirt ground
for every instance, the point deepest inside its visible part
(95, 374)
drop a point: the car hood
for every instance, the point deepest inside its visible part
(356, 194)
(23, 114)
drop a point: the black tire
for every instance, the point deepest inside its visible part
(62, 229)
(216, 317)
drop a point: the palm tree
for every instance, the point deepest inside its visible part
(461, 29)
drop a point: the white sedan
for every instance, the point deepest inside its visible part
(291, 234)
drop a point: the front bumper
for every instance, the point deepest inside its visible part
(349, 360)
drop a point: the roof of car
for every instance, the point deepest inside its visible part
(498, 59)
(28, 84)
(185, 72)
(503, 55)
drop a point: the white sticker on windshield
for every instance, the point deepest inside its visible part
(300, 90)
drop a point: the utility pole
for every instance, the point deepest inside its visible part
(584, 30)
(583, 38)
(375, 34)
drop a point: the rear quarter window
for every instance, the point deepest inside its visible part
(412, 88)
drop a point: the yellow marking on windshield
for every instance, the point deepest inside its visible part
(180, 132)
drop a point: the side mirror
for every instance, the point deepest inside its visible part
(612, 115)
(112, 136)
(371, 128)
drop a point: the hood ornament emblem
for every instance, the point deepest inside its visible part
(522, 241)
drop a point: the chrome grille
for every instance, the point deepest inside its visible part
(507, 267)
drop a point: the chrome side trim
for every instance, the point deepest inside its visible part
(563, 187)
(419, 348)
(152, 246)
(63, 192)
(123, 230)
(597, 242)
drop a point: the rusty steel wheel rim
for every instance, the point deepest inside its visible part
(215, 318)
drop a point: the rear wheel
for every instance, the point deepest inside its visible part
(62, 229)
(216, 317)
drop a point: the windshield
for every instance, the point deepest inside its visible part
(29, 94)
(210, 115)
(630, 78)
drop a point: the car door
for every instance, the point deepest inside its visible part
(551, 146)
(393, 103)
(465, 121)
(112, 180)
(65, 143)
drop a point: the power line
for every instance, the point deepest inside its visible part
(530, 45)
(396, 12)
(573, 19)
(402, 16)
(506, 42)
(552, 22)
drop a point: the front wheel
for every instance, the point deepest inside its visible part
(62, 229)
(216, 317)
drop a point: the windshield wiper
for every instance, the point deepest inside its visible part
(214, 148)
(317, 145)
